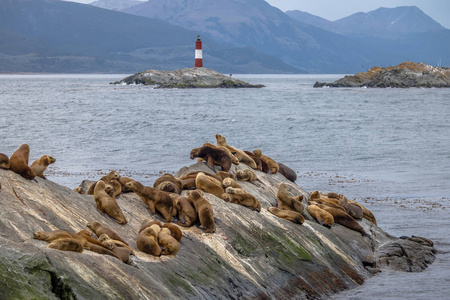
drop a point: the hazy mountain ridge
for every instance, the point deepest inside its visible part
(117, 41)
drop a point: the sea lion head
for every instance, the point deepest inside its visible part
(195, 152)
(225, 197)
(257, 152)
(220, 138)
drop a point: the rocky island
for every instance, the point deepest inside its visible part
(404, 75)
(186, 78)
(251, 255)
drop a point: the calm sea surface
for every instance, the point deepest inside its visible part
(389, 148)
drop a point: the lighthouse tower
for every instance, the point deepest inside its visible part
(198, 53)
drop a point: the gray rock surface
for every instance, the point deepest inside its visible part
(250, 256)
(404, 75)
(186, 78)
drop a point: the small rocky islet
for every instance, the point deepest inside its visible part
(186, 78)
(252, 254)
(404, 75)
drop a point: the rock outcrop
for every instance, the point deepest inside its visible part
(251, 255)
(186, 78)
(404, 75)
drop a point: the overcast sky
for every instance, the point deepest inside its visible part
(332, 10)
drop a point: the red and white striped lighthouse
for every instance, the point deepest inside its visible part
(198, 53)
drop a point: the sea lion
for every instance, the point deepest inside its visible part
(343, 218)
(41, 164)
(322, 216)
(324, 199)
(147, 243)
(107, 178)
(230, 182)
(231, 190)
(233, 158)
(287, 172)
(221, 175)
(107, 204)
(246, 175)
(204, 210)
(166, 240)
(4, 161)
(147, 223)
(168, 183)
(273, 165)
(209, 184)
(247, 200)
(260, 165)
(367, 214)
(122, 250)
(79, 190)
(98, 229)
(186, 212)
(102, 250)
(353, 210)
(116, 188)
(18, 162)
(213, 156)
(175, 230)
(87, 234)
(123, 181)
(286, 201)
(240, 155)
(66, 244)
(289, 215)
(155, 199)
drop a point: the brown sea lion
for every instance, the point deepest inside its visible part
(353, 210)
(343, 218)
(273, 165)
(107, 204)
(260, 165)
(286, 201)
(4, 161)
(186, 212)
(41, 164)
(112, 244)
(233, 158)
(66, 244)
(113, 188)
(204, 210)
(209, 184)
(367, 214)
(155, 199)
(246, 175)
(147, 223)
(147, 243)
(79, 190)
(240, 155)
(213, 156)
(107, 178)
(287, 172)
(324, 199)
(87, 234)
(19, 162)
(102, 250)
(322, 216)
(123, 181)
(99, 229)
(168, 183)
(230, 182)
(231, 190)
(289, 215)
(50, 236)
(168, 242)
(247, 200)
(175, 231)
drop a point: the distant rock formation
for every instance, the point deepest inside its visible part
(251, 255)
(186, 78)
(404, 75)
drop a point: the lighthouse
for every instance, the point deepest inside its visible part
(198, 53)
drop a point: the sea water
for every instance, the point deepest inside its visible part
(388, 148)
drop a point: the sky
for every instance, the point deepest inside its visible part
(332, 10)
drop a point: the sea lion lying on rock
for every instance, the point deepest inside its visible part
(286, 201)
(107, 204)
(289, 215)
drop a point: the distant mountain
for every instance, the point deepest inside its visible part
(256, 24)
(310, 19)
(388, 22)
(102, 40)
(115, 4)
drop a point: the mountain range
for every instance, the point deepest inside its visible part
(239, 36)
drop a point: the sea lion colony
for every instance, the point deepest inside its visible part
(165, 201)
